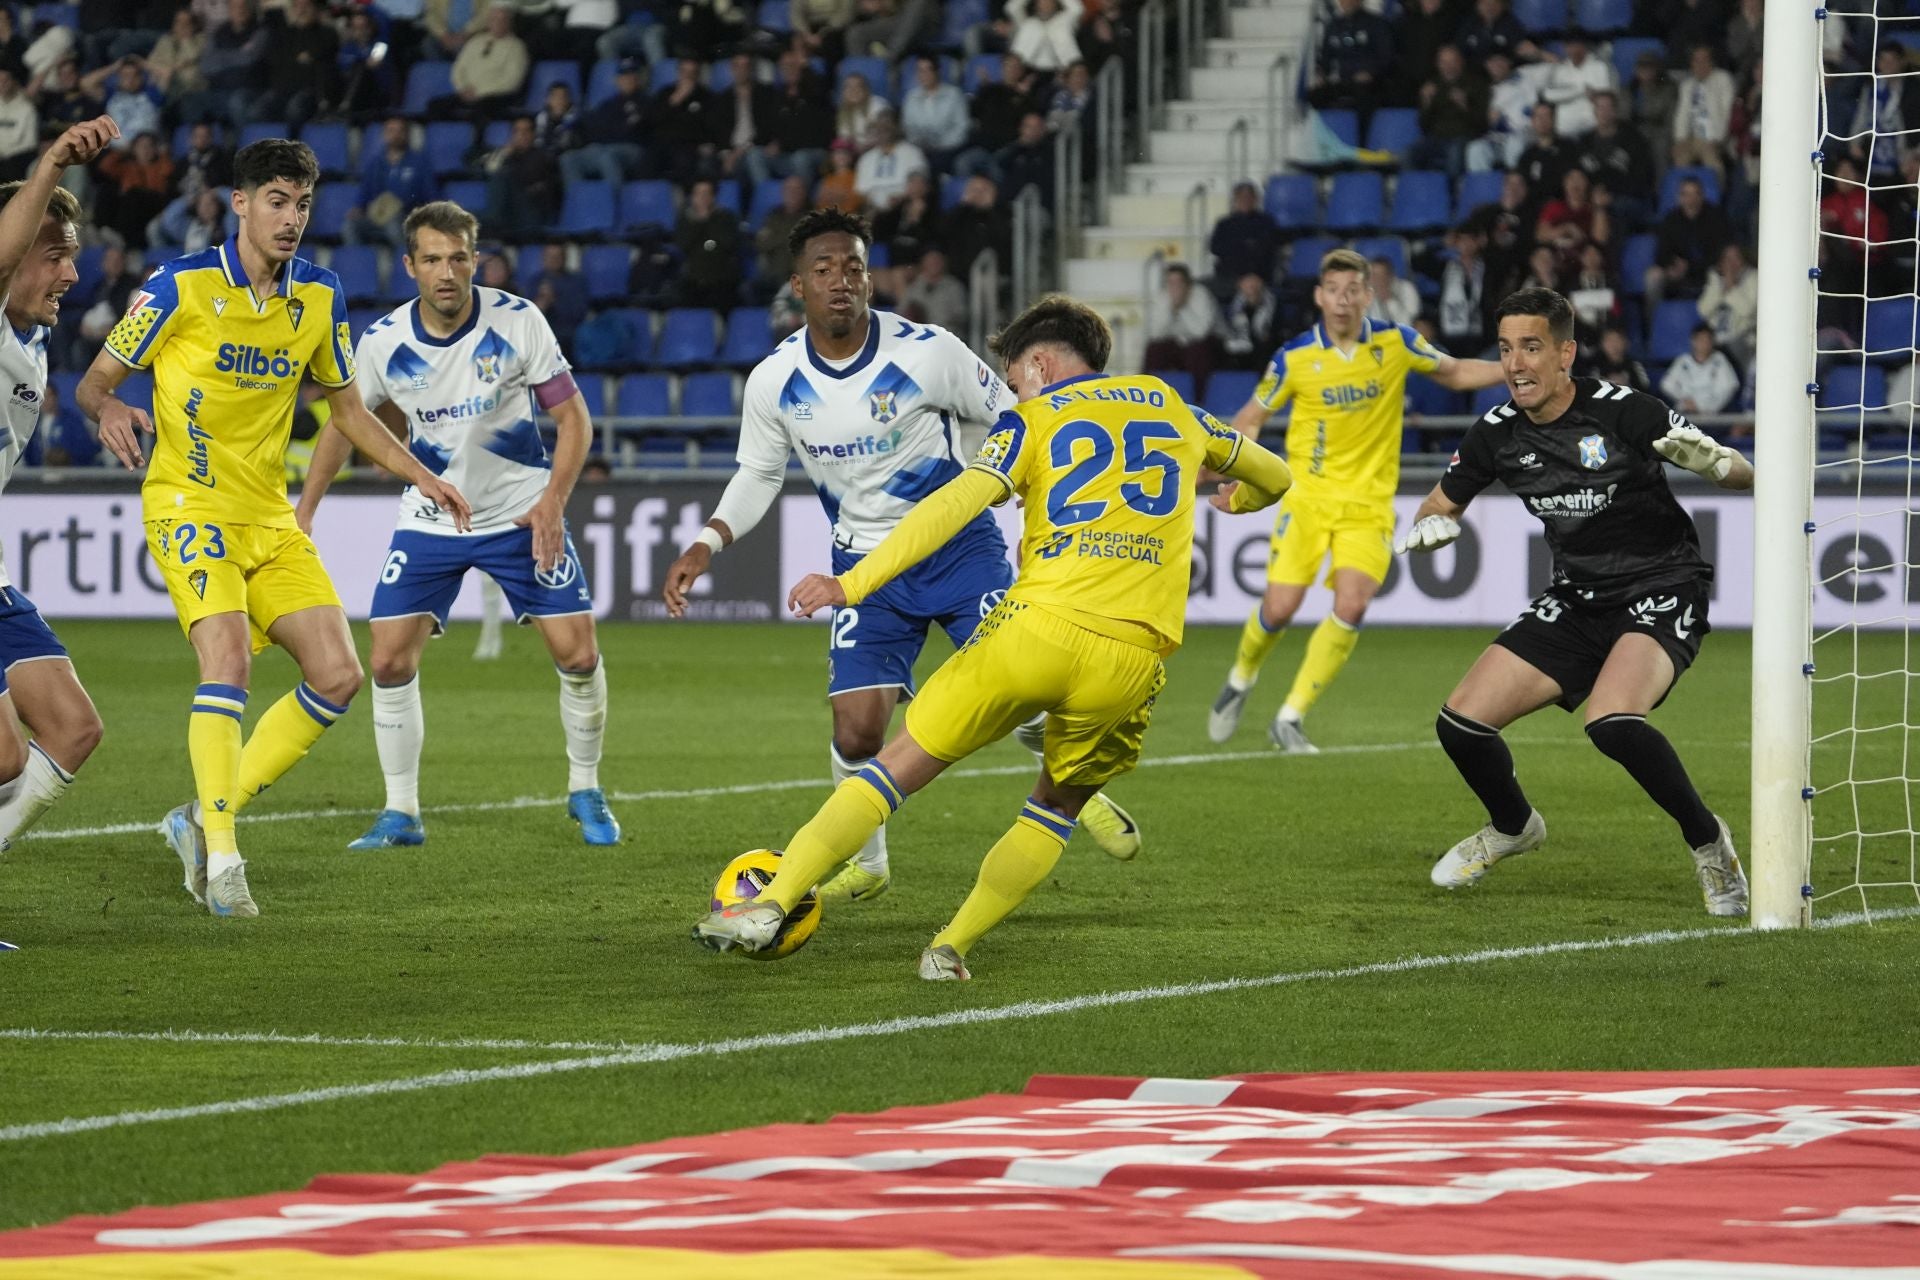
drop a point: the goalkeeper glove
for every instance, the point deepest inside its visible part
(1429, 534)
(1693, 450)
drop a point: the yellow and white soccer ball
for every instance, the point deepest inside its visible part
(745, 878)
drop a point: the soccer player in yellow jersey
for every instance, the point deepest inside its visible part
(1346, 379)
(229, 332)
(1105, 468)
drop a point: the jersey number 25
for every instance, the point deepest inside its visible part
(1064, 507)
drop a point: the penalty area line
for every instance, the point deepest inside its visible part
(1021, 1011)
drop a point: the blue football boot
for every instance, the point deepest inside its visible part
(597, 823)
(392, 830)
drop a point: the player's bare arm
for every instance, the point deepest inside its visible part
(547, 517)
(120, 423)
(367, 434)
(1467, 375)
(20, 221)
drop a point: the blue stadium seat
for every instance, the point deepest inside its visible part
(1487, 397)
(1356, 202)
(749, 337)
(644, 395)
(687, 339)
(1420, 200)
(661, 75)
(1541, 15)
(1228, 390)
(1890, 332)
(1627, 51)
(1602, 17)
(606, 267)
(1635, 257)
(86, 265)
(879, 77)
(48, 14)
(593, 390)
(1670, 184)
(261, 130)
(1477, 188)
(545, 75)
(616, 338)
(1179, 379)
(726, 194)
(952, 187)
(1429, 398)
(183, 138)
(469, 193)
(1304, 254)
(1293, 201)
(982, 69)
(707, 395)
(447, 144)
(648, 205)
(495, 135)
(1853, 386)
(527, 271)
(1343, 124)
(600, 81)
(775, 16)
(1394, 129)
(358, 266)
(1671, 332)
(425, 82)
(766, 198)
(1392, 248)
(328, 138)
(330, 205)
(587, 211)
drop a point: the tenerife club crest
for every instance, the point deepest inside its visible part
(885, 406)
(1593, 452)
(490, 357)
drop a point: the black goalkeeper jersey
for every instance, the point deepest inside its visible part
(1595, 482)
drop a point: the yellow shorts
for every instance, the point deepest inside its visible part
(261, 571)
(1359, 534)
(1097, 692)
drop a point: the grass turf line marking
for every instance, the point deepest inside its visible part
(1018, 1012)
(704, 793)
(317, 1039)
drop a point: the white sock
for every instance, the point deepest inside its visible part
(583, 714)
(1238, 683)
(399, 729)
(873, 854)
(1288, 714)
(1033, 735)
(217, 863)
(37, 789)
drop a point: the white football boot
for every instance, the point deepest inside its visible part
(189, 842)
(943, 964)
(227, 893)
(1722, 883)
(1224, 719)
(1470, 860)
(750, 926)
(1287, 735)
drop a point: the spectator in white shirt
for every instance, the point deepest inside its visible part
(1731, 304)
(1700, 118)
(1703, 380)
(1570, 84)
(1183, 327)
(1043, 36)
(1510, 105)
(881, 176)
(933, 114)
(1395, 300)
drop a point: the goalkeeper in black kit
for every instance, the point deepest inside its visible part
(1627, 607)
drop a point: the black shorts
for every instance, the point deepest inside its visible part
(1569, 640)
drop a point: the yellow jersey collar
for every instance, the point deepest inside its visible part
(1365, 338)
(237, 274)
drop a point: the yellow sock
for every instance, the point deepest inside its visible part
(857, 808)
(1256, 642)
(213, 746)
(1327, 652)
(282, 739)
(1018, 862)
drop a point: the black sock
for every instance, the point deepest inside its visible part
(1482, 758)
(1644, 752)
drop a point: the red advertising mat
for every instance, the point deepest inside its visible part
(1736, 1174)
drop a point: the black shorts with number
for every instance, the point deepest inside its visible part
(1569, 640)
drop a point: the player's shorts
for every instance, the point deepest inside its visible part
(1569, 641)
(24, 634)
(1098, 693)
(264, 572)
(423, 572)
(1359, 535)
(874, 644)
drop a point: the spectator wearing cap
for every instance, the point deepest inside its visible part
(680, 125)
(1043, 32)
(801, 127)
(882, 172)
(490, 75)
(19, 127)
(1453, 112)
(394, 179)
(1700, 119)
(933, 114)
(557, 126)
(742, 115)
(1703, 380)
(1183, 327)
(1570, 85)
(609, 149)
(1352, 61)
(1246, 242)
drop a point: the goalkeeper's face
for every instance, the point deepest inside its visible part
(442, 266)
(1537, 367)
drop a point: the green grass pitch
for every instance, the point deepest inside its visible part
(506, 927)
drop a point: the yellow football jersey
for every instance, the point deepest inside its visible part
(226, 372)
(1343, 440)
(1106, 467)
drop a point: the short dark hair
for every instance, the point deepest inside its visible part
(826, 222)
(446, 217)
(1549, 304)
(275, 159)
(1180, 269)
(1056, 320)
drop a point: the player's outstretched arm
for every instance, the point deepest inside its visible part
(1435, 524)
(1252, 417)
(573, 427)
(1468, 375)
(1259, 477)
(924, 530)
(120, 423)
(20, 220)
(1692, 449)
(366, 433)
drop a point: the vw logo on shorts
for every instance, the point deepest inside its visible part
(990, 601)
(560, 575)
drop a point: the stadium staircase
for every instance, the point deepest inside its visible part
(1236, 123)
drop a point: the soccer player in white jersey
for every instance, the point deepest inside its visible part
(869, 402)
(460, 374)
(38, 687)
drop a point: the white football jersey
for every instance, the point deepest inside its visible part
(876, 433)
(23, 380)
(469, 403)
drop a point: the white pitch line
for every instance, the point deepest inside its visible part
(321, 1041)
(704, 793)
(1021, 1011)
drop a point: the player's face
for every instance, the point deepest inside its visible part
(273, 217)
(442, 266)
(831, 279)
(1343, 298)
(44, 276)
(1536, 366)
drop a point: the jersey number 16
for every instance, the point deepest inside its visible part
(1065, 508)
